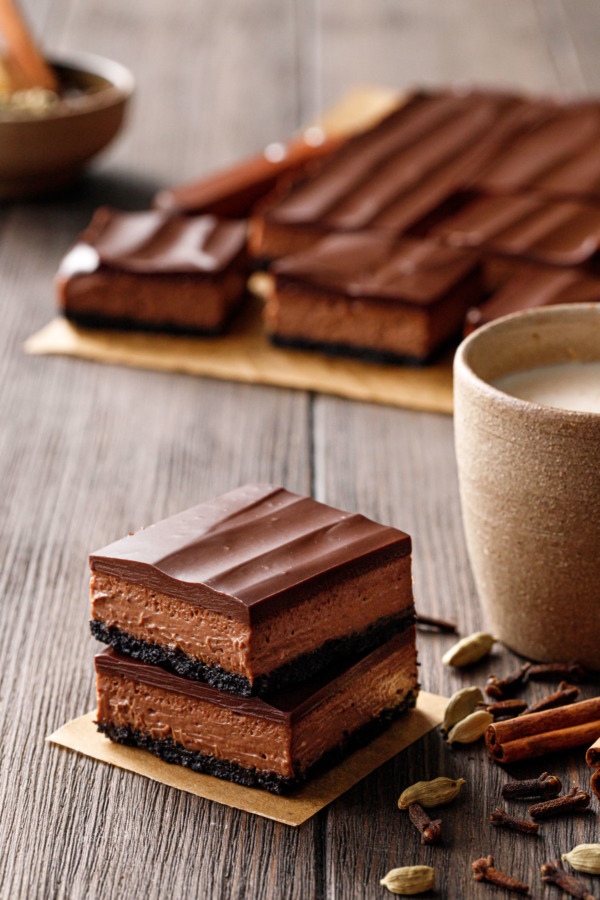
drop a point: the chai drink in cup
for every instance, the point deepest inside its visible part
(527, 429)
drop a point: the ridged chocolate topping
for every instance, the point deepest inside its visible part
(539, 287)
(397, 172)
(234, 191)
(558, 157)
(154, 243)
(378, 265)
(283, 706)
(560, 233)
(250, 551)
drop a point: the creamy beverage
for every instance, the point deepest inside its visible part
(570, 385)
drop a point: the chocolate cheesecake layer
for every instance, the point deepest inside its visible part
(395, 298)
(529, 227)
(397, 173)
(274, 743)
(257, 587)
(537, 286)
(154, 271)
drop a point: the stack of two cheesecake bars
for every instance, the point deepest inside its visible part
(258, 637)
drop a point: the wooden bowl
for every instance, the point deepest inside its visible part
(42, 154)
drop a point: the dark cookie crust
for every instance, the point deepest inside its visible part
(124, 324)
(366, 353)
(294, 672)
(174, 753)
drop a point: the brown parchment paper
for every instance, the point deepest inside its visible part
(81, 735)
(245, 354)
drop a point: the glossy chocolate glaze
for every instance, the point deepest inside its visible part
(397, 172)
(251, 551)
(286, 706)
(530, 226)
(153, 242)
(539, 287)
(234, 191)
(558, 157)
(379, 265)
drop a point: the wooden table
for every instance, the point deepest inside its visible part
(91, 452)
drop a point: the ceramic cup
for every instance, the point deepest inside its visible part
(530, 486)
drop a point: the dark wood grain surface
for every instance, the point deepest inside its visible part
(90, 452)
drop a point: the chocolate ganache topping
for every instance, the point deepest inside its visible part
(377, 265)
(155, 243)
(397, 172)
(559, 157)
(559, 233)
(250, 551)
(543, 286)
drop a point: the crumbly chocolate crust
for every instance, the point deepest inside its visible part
(171, 752)
(110, 322)
(294, 672)
(366, 353)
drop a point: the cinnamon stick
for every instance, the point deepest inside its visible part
(592, 757)
(544, 732)
(24, 62)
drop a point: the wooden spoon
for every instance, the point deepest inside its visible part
(23, 64)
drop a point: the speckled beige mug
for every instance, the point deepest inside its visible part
(530, 486)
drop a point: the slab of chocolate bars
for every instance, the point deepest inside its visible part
(387, 245)
(258, 637)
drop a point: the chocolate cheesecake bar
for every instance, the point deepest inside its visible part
(273, 743)
(253, 590)
(150, 270)
(558, 157)
(233, 192)
(406, 171)
(373, 295)
(528, 227)
(538, 286)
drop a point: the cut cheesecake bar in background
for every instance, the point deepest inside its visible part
(558, 157)
(538, 286)
(273, 743)
(372, 295)
(233, 192)
(253, 590)
(528, 227)
(154, 271)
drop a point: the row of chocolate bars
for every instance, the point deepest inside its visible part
(456, 208)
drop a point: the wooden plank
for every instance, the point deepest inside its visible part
(582, 26)
(417, 42)
(561, 46)
(91, 452)
(399, 467)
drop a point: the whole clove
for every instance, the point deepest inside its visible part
(566, 693)
(484, 870)
(430, 623)
(574, 801)
(504, 820)
(504, 688)
(431, 831)
(544, 788)
(573, 671)
(553, 873)
(504, 709)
